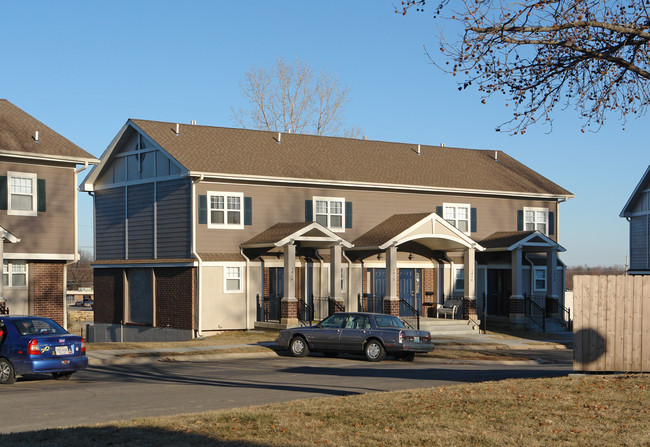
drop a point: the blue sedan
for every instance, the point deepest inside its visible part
(374, 335)
(30, 345)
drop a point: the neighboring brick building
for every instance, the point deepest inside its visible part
(237, 228)
(38, 213)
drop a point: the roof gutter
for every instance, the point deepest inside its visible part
(322, 182)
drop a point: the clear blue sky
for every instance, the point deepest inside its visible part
(85, 67)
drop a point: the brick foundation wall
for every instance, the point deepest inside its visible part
(175, 297)
(109, 295)
(47, 289)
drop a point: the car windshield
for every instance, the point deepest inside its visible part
(389, 321)
(38, 326)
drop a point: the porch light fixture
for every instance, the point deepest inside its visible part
(378, 256)
(278, 254)
(410, 256)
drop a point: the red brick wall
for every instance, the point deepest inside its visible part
(174, 297)
(109, 296)
(47, 289)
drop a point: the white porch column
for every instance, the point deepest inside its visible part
(391, 300)
(289, 300)
(470, 273)
(335, 272)
(3, 301)
(516, 311)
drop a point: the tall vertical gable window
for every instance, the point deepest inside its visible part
(22, 190)
(14, 274)
(457, 214)
(536, 219)
(330, 212)
(225, 210)
(232, 281)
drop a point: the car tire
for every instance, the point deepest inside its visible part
(375, 351)
(62, 375)
(298, 347)
(408, 356)
(7, 375)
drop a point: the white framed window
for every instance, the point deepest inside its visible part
(539, 279)
(344, 280)
(232, 279)
(459, 279)
(536, 219)
(457, 214)
(14, 274)
(330, 212)
(225, 210)
(21, 188)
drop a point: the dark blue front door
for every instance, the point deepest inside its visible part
(276, 292)
(376, 303)
(410, 290)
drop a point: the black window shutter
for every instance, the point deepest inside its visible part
(551, 223)
(248, 211)
(203, 209)
(348, 214)
(473, 223)
(520, 220)
(439, 211)
(3, 192)
(309, 211)
(41, 196)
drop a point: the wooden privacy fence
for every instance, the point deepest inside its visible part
(611, 323)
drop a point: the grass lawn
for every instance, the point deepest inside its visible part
(568, 411)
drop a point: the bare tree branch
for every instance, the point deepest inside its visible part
(593, 55)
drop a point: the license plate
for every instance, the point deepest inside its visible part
(62, 350)
(416, 339)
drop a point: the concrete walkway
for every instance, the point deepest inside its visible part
(544, 351)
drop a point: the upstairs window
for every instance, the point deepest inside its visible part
(14, 274)
(22, 194)
(457, 214)
(536, 219)
(225, 210)
(330, 212)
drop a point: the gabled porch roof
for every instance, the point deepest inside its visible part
(427, 229)
(309, 234)
(5, 235)
(512, 240)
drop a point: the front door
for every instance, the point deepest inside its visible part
(376, 304)
(276, 292)
(410, 290)
(498, 291)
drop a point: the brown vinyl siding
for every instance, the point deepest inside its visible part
(273, 204)
(50, 231)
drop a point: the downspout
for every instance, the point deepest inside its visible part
(248, 298)
(199, 327)
(349, 279)
(75, 231)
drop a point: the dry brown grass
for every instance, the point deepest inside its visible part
(224, 338)
(567, 411)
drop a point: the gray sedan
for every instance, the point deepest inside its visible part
(375, 335)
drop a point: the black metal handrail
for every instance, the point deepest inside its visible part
(563, 316)
(4, 310)
(338, 307)
(408, 319)
(305, 312)
(535, 312)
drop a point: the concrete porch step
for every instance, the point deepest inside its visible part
(441, 326)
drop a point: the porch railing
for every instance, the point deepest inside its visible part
(370, 303)
(412, 320)
(4, 310)
(535, 312)
(305, 312)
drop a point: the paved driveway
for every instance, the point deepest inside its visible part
(109, 393)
